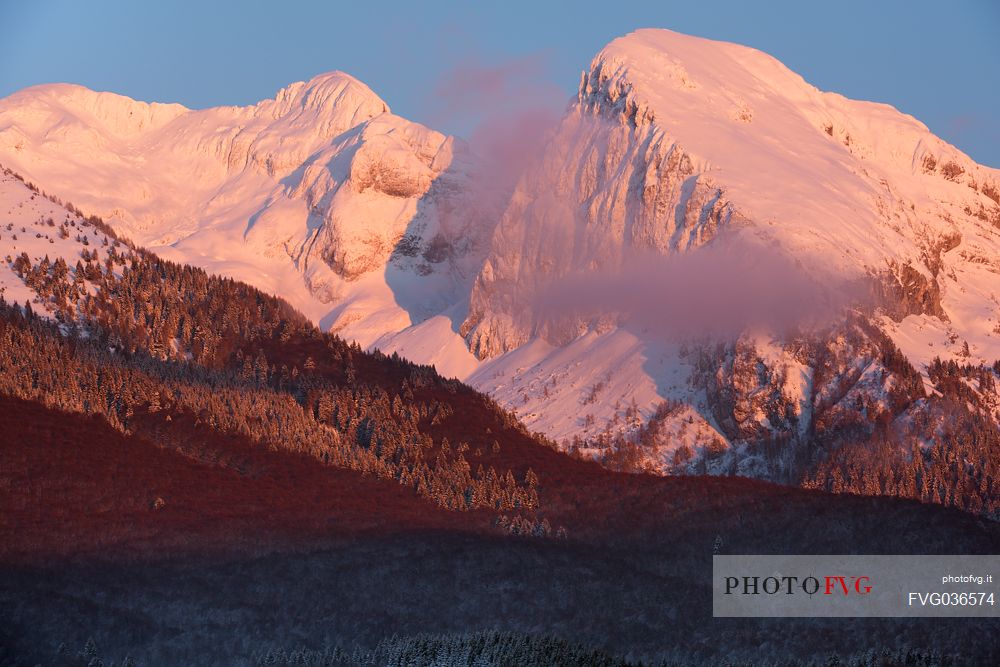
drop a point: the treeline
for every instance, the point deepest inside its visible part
(496, 648)
(965, 382)
(945, 450)
(135, 301)
(172, 311)
(873, 429)
(155, 347)
(361, 428)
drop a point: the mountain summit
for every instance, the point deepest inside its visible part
(674, 140)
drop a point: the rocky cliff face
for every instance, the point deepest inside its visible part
(611, 183)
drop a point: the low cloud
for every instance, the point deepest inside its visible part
(504, 111)
(719, 290)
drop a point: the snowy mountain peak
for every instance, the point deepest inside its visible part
(333, 89)
(334, 97)
(692, 87)
(675, 140)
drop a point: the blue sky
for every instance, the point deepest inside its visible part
(939, 61)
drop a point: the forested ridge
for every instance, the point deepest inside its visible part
(150, 345)
(505, 649)
(359, 426)
(939, 444)
(945, 448)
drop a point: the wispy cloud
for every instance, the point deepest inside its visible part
(718, 290)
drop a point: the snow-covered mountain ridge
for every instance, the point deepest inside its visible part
(366, 222)
(676, 141)
(321, 194)
(674, 138)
